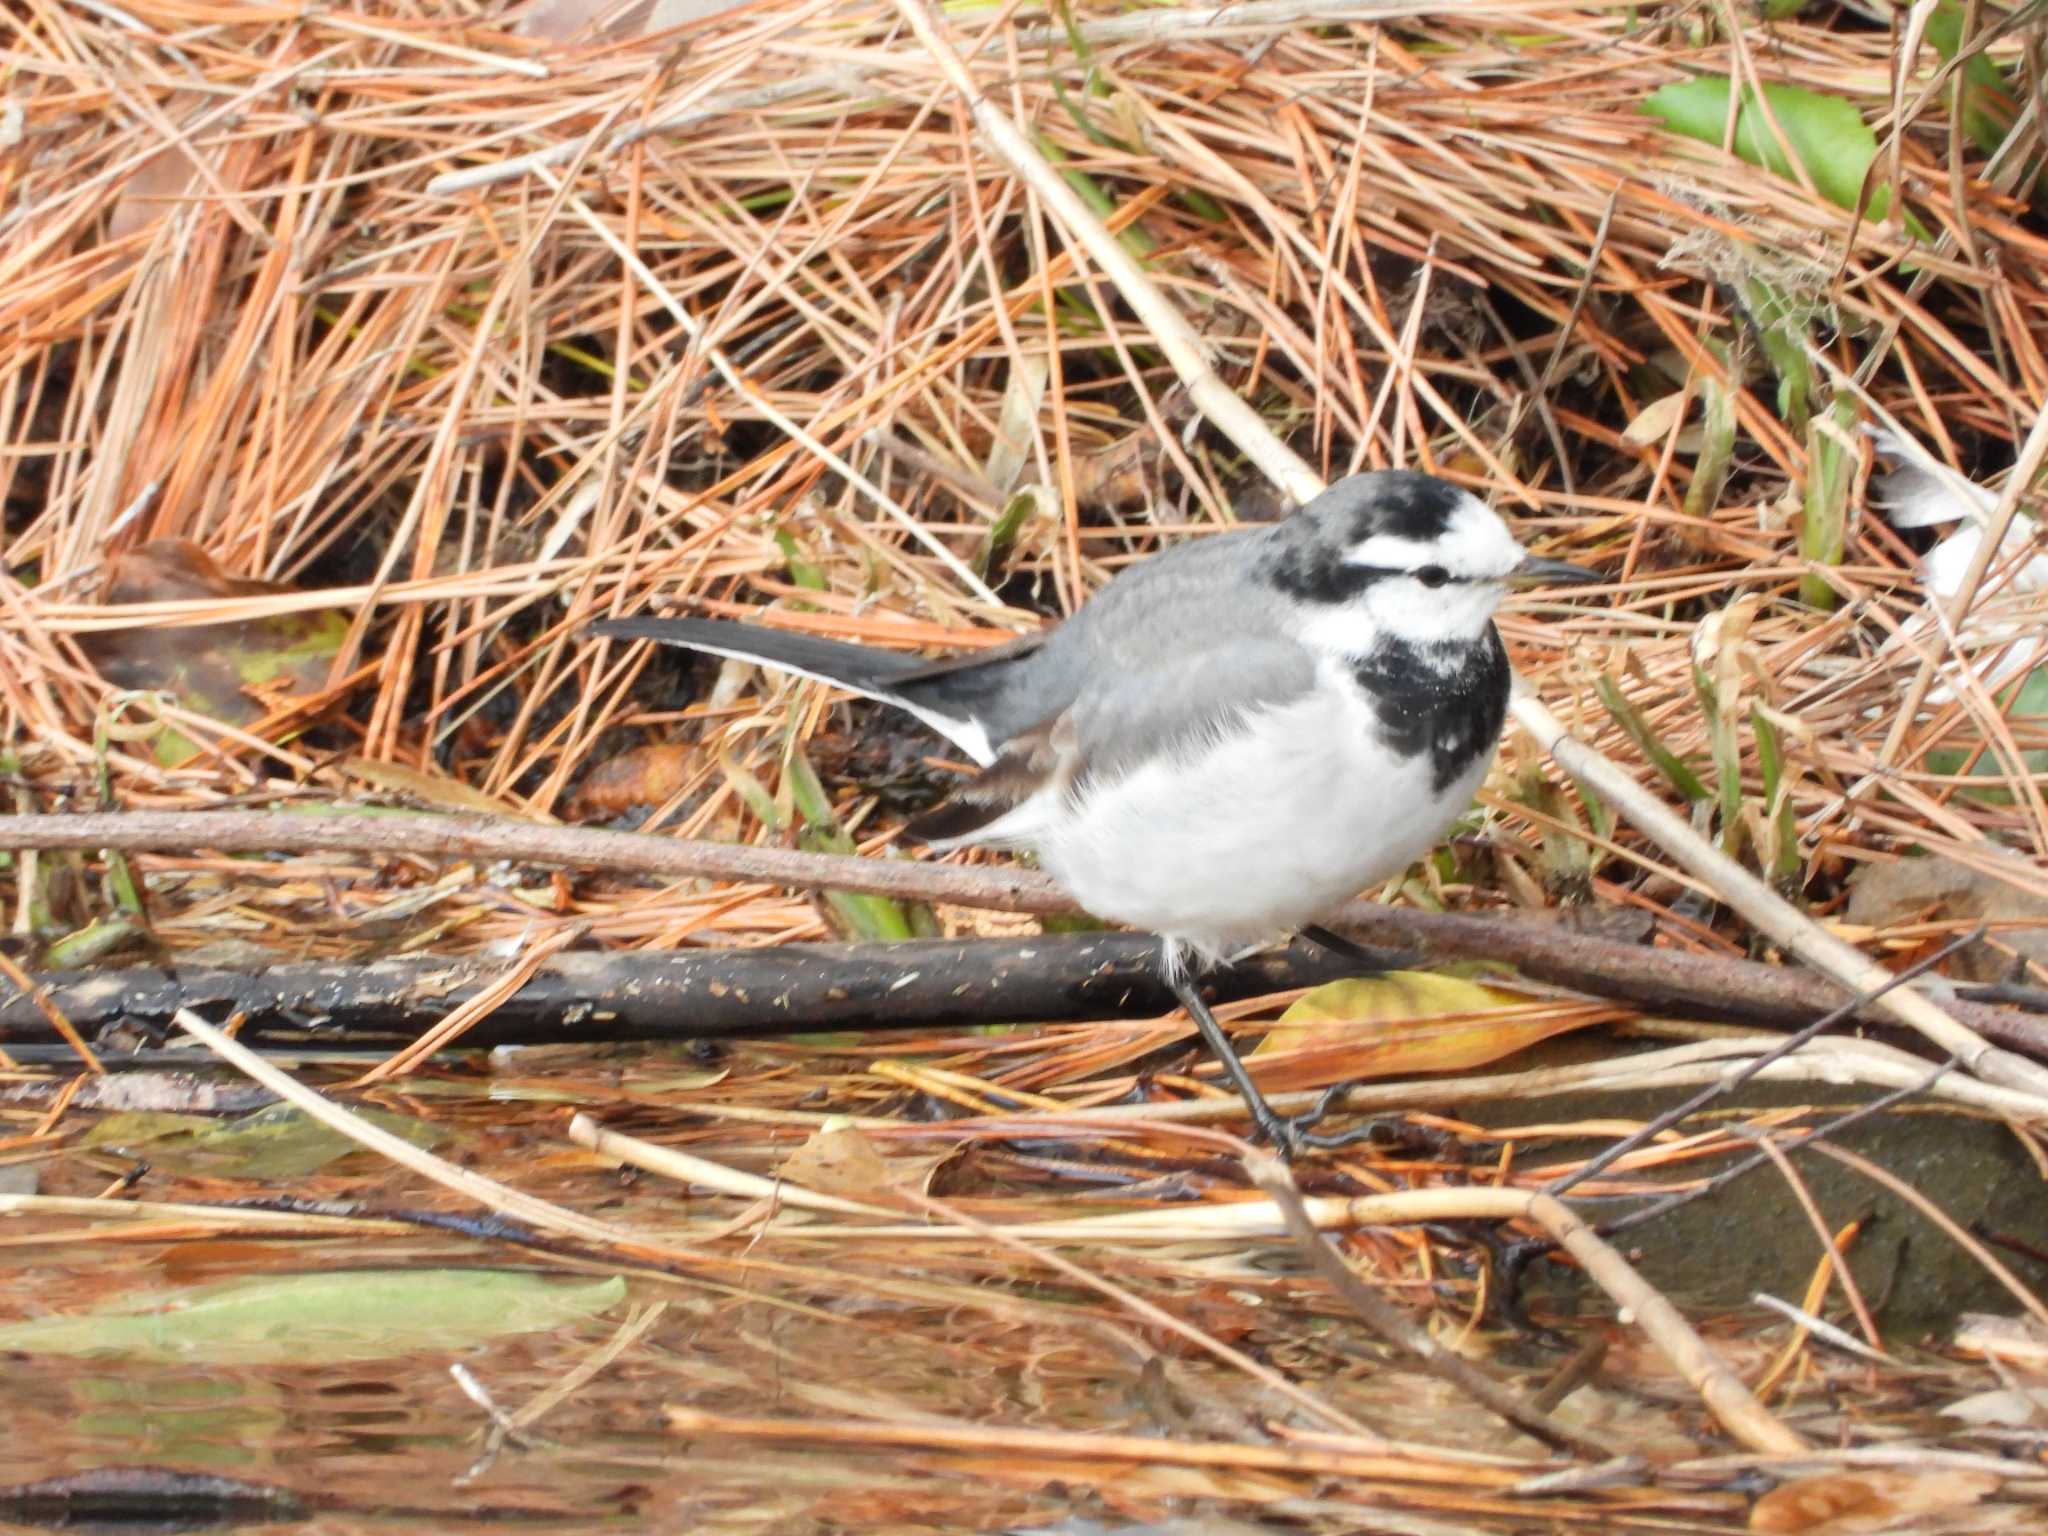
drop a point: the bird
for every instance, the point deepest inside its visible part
(1230, 739)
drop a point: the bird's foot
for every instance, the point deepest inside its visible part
(1293, 1135)
(1288, 1136)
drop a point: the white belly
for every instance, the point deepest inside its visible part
(1253, 836)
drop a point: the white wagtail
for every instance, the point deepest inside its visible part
(1235, 736)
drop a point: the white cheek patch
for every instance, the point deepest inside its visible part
(1390, 552)
(1475, 547)
(1450, 617)
(1395, 606)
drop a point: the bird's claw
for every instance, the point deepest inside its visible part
(1292, 1135)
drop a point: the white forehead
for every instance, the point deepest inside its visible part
(1475, 542)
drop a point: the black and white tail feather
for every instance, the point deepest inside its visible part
(958, 697)
(940, 694)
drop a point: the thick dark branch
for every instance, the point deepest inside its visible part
(689, 994)
(1666, 980)
(703, 993)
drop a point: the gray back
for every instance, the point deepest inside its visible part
(1194, 623)
(1181, 643)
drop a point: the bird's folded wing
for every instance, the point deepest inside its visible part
(1120, 720)
(1123, 720)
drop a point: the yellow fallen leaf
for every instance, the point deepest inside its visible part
(1409, 1021)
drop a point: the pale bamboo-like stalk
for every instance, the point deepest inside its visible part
(1769, 913)
(1176, 338)
(539, 1214)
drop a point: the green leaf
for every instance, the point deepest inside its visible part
(1827, 133)
(1132, 238)
(874, 918)
(1002, 536)
(1770, 752)
(94, 942)
(2025, 699)
(1778, 811)
(803, 571)
(1667, 762)
(318, 1318)
(277, 1142)
(1784, 329)
(1824, 514)
(1072, 922)
(1717, 446)
(135, 1127)
(1988, 109)
(282, 1142)
(1727, 752)
(1010, 449)
(2029, 696)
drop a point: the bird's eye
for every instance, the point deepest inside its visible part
(1432, 575)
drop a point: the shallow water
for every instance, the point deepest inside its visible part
(810, 1324)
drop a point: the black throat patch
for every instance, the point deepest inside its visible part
(1448, 705)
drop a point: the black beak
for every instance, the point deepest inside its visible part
(1535, 571)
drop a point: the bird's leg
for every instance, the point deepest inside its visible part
(1300, 1130)
(1276, 1130)
(1290, 1137)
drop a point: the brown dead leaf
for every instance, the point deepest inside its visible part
(236, 672)
(157, 185)
(1936, 888)
(195, 1263)
(170, 570)
(1113, 478)
(1856, 1503)
(1724, 651)
(839, 1160)
(1016, 423)
(645, 776)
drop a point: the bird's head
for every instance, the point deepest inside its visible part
(1395, 554)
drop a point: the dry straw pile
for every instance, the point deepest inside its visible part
(458, 328)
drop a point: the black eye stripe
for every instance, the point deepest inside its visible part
(1429, 575)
